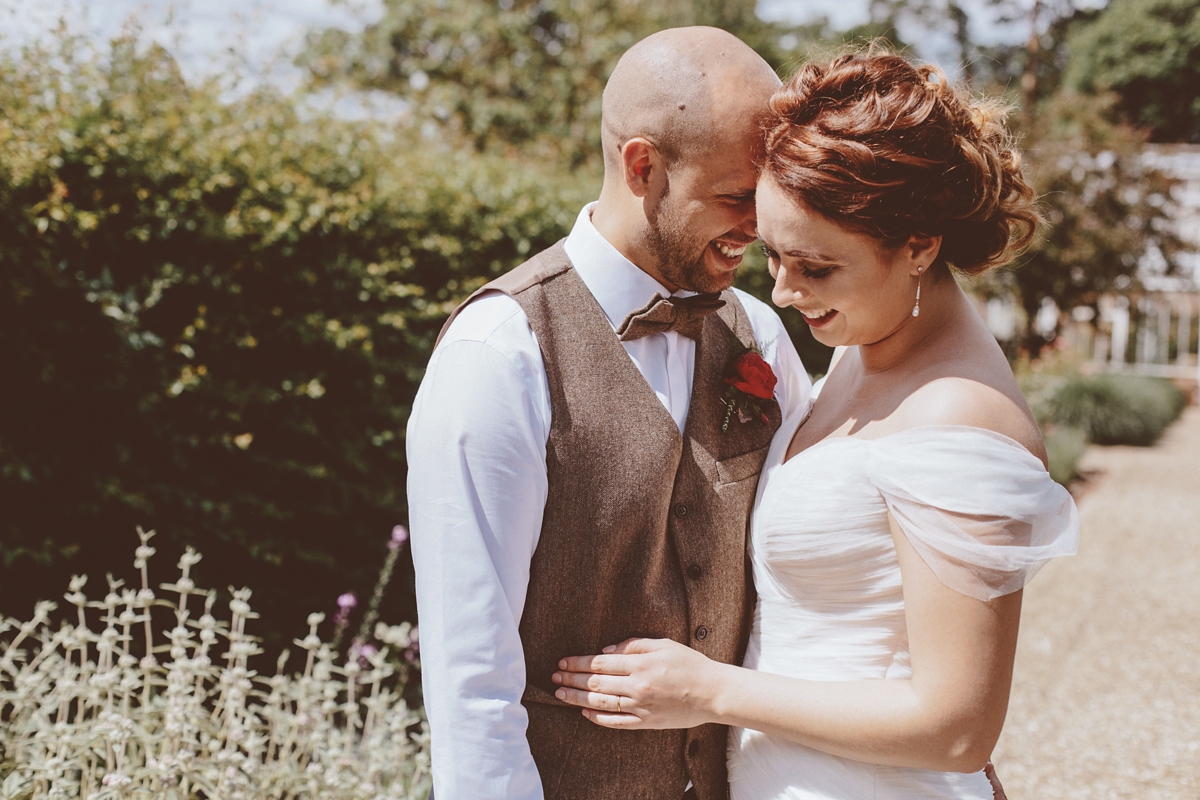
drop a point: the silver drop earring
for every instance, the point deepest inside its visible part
(917, 307)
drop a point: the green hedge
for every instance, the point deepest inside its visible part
(1074, 409)
(1118, 409)
(214, 315)
(1064, 448)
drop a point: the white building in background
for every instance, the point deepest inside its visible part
(1154, 332)
(1182, 162)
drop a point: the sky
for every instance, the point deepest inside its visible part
(201, 33)
(848, 13)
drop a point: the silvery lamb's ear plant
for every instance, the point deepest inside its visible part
(99, 708)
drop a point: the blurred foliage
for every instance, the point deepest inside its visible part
(214, 315)
(1040, 381)
(1064, 447)
(1074, 408)
(1104, 208)
(1148, 52)
(1118, 409)
(520, 74)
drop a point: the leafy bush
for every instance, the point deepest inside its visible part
(1064, 448)
(1118, 409)
(1074, 409)
(214, 315)
(85, 716)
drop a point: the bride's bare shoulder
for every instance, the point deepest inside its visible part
(980, 401)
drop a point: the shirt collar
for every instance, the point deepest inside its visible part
(618, 285)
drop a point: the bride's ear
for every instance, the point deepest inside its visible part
(921, 251)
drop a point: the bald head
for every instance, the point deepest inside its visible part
(684, 89)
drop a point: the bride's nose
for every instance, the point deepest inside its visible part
(787, 291)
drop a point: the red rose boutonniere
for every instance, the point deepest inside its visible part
(749, 385)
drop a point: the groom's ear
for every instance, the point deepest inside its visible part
(642, 165)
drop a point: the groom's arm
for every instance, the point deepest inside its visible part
(477, 488)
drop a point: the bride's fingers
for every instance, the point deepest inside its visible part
(590, 681)
(604, 664)
(597, 701)
(619, 721)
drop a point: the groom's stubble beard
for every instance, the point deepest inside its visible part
(680, 257)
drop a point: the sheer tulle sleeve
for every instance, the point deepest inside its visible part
(979, 508)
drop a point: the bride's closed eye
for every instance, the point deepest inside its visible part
(808, 272)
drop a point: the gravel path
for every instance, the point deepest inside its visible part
(1106, 696)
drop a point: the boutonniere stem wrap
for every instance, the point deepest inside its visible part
(749, 387)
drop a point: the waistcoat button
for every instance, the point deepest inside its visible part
(702, 633)
(680, 510)
(693, 748)
(694, 571)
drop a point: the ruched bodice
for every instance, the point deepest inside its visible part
(978, 508)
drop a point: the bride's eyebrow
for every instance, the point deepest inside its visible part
(813, 257)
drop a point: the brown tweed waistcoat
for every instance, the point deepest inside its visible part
(643, 534)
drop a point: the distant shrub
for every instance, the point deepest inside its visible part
(1041, 378)
(1118, 409)
(1064, 448)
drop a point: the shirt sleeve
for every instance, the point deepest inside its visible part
(477, 488)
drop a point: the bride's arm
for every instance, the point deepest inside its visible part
(947, 717)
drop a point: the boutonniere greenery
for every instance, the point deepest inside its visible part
(749, 386)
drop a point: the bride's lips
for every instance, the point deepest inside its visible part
(727, 254)
(818, 317)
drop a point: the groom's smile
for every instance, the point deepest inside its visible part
(730, 253)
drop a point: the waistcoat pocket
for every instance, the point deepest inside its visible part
(739, 468)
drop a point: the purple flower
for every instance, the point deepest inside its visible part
(346, 603)
(399, 537)
(363, 655)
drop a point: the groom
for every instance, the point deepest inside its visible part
(575, 474)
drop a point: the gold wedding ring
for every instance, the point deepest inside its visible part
(619, 711)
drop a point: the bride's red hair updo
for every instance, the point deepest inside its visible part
(892, 150)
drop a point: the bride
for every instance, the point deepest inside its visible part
(901, 513)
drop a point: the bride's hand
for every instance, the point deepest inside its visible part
(641, 684)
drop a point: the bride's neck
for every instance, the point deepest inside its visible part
(941, 304)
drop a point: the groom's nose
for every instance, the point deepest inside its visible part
(749, 223)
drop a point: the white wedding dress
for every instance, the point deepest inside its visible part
(978, 507)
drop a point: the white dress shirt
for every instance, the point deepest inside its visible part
(477, 486)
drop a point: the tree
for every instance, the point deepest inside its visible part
(1104, 208)
(1148, 53)
(1033, 67)
(518, 74)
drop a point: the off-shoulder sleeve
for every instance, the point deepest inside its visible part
(979, 508)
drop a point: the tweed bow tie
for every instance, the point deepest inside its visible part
(683, 314)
